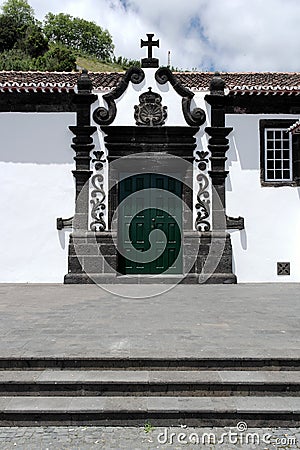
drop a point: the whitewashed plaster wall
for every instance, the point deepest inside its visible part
(36, 186)
(272, 215)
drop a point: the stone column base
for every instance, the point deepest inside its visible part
(207, 259)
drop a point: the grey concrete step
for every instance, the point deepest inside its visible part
(136, 410)
(142, 382)
(147, 363)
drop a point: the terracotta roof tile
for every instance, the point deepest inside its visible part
(236, 82)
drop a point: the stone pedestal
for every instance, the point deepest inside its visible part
(93, 258)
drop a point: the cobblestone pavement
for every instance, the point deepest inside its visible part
(131, 438)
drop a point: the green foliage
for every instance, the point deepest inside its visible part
(57, 59)
(148, 427)
(20, 11)
(34, 42)
(20, 31)
(78, 34)
(26, 44)
(16, 59)
(126, 63)
(9, 33)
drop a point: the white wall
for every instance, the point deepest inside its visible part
(36, 186)
(272, 215)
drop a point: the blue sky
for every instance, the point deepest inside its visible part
(230, 35)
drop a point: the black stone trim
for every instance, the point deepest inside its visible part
(125, 140)
(279, 123)
(64, 223)
(37, 102)
(272, 103)
(197, 116)
(235, 223)
(218, 145)
(103, 116)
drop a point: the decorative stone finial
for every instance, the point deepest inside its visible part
(84, 83)
(217, 85)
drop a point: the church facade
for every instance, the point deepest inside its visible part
(150, 176)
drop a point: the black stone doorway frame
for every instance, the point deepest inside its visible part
(98, 255)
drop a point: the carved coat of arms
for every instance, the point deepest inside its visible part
(150, 111)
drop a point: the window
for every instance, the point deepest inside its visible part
(278, 154)
(277, 150)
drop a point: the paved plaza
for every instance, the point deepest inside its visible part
(226, 321)
(233, 321)
(147, 438)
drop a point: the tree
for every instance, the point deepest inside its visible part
(57, 59)
(20, 11)
(20, 30)
(34, 42)
(9, 33)
(78, 34)
(15, 59)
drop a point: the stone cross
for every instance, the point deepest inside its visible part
(150, 43)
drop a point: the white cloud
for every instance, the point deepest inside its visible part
(233, 35)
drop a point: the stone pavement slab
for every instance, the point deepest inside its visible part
(147, 438)
(225, 321)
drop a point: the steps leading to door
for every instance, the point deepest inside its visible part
(167, 392)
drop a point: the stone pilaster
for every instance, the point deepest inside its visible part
(218, 145)
(82, 145)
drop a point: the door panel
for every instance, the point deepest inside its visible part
(143, 208)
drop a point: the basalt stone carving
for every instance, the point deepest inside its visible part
(203, 200)
(150, 111)
(150, 61)
(195, 117)
(105, 116)
(98, 194)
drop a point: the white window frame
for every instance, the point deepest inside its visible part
(278, 180)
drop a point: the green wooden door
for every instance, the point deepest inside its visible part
(147, 203)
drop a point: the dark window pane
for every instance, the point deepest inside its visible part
(286, 154)
(286, 174)
(278, 144)
(277, 154)
(286, 164)
(285, 143)
(278, 164)
(269, 134)
(270, 174)
(270, 165)
(270, 144)
(277, 134)
(278, 174)
(270, 154)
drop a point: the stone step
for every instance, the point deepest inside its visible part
(142, 382)
(116, 363)
(197, 411)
